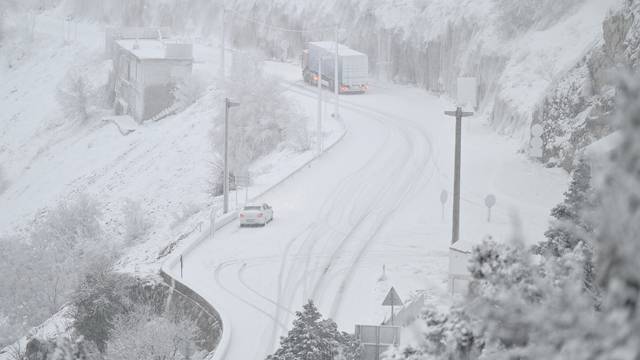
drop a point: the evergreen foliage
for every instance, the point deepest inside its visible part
(98, 300)
(571, 226)
(315, 338)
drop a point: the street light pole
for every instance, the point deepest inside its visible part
(227, 105)
(459, 114)
(222, 42)
(336, 74)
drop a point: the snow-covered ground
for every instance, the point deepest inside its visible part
(372, 200)
(165, 166)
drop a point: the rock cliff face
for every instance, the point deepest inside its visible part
(576, 111)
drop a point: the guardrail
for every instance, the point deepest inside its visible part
(176, 285)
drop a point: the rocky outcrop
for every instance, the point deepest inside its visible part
(577, 110)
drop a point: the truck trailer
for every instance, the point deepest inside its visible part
(353, 67)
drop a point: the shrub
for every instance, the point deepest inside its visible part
(74, 96)
(4, 182)
(264, 120)
(41, 271)
(98, 300)
(136, 224)
(144, 334)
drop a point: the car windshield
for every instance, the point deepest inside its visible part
(252, 208)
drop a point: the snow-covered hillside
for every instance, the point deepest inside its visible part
(371, 203)
(165, 168)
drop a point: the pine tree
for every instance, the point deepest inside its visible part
(562, 237)
(570, 227)
(618, 234)
(315, 338)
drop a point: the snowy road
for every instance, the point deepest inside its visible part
(371, 200)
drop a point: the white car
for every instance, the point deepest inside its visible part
(256, 214)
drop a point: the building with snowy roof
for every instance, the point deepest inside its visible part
(145, 73)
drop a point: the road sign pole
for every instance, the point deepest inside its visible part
(392, 314)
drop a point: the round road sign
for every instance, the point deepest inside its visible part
(490, 200)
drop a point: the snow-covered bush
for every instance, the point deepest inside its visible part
(44, 268)
(74, 96)
(4, 182)
(136, 223)
(144, 334)
(215, 186)
(101, 297)
(315, 338)
(61, 348)
(265, 119)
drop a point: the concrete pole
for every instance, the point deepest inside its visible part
(336, 74)
(226, 156)
(456, 181)
(459, 114)
(319, 125)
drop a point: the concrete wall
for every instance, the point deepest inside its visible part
(459, 276)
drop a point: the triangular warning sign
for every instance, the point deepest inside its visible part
(392, 299)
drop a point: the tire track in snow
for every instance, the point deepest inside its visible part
(410, 185)
(217, 272)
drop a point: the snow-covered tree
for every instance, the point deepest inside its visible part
(43, 269)
(315, 338)
(144, 334)
(98, 300)
(68, 349)
(561, 237)
(265, 119)
(571, 227)
(618, 234)
(74, 96)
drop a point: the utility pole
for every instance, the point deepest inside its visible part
(336, 74)
(227, 105)
(459, 114)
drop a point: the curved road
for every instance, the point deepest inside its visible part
(380, 182)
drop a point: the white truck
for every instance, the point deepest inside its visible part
(353, 67)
